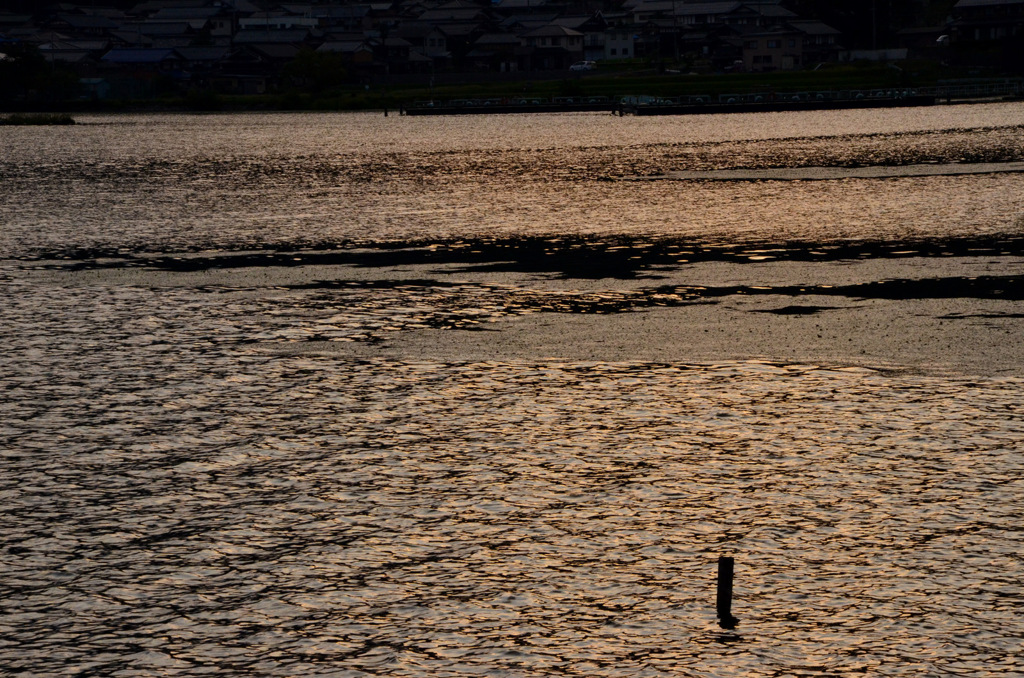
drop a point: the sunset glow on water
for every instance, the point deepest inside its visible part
(346, 395)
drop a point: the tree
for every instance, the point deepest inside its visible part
(21, 69)
(317, 71)
(872, 24)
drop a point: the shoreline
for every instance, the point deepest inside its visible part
(948, 336)
(397, 107)
(948, 314)
(729, 92)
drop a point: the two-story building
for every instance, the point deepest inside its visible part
(552, 47)
(987, 20)
(620, 42)
(785, 47)
(499, 52)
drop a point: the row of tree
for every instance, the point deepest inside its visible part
(874, 24)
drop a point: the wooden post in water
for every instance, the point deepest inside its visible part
(726, 565)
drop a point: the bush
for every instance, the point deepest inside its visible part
(203, 100)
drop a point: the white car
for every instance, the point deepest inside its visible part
(583, 66)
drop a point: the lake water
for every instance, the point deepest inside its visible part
(347, 395)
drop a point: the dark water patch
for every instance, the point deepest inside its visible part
(982, 316)
(620, 257)
(340, 310)
(799, 310)
(840, 173)
(1008, 288)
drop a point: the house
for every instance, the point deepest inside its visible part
(397, 57)
(593, 27)
(453, 13)
(659, 38)
(335, 17)
(165, 35)
(94, 88)
(619, 42)
(273, 21)
(140, 73)
(507, 6)
(730, 12)
(520, 23)
(209, 20)
(717, 47)
(354, 51)
(252, 68)
(819, 41)
(130, 37)
(924, 40)
(201, 62)
(987, 20)
(785, 47)
(776, 48)
(201, 15)
(82, 56)
(495, 52)
(425, 38)
(82, 25)
(150, 7)
(762, 14)
(650, 9)
(261, 36)
(144, 61)
(584, 23)
(552, 47)
(459, 39)
(275, 55)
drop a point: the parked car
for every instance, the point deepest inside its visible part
(583, 66)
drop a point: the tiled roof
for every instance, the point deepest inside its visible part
(551, 31)
(986, 3)
(137, 56)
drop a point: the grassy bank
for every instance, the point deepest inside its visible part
(636, 79)
(37, 119)
(609, 80)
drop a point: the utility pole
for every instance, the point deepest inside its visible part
(874, 24)
(675, 29)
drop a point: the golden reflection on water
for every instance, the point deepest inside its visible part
(192, 483)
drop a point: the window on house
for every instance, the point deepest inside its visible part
(773, 44)
(613, 52)
(751, 44)
(792, 43)
(625, 51)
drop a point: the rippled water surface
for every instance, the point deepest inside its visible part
(350, 395)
